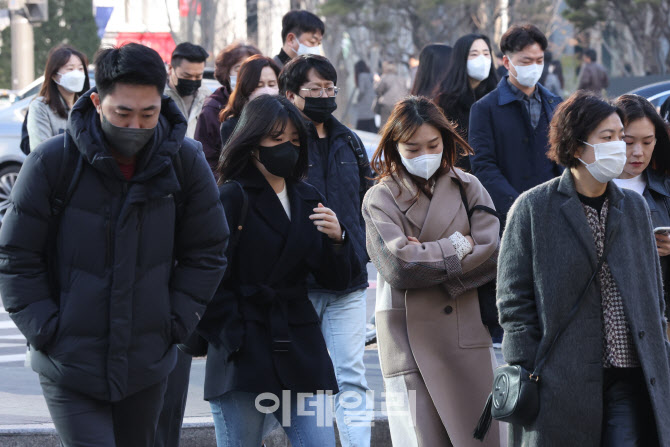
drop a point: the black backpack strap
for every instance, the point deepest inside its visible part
(69, 172)
(359, 153)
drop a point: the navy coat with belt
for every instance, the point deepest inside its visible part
(510, 156)
(134, 274)
(263, 332)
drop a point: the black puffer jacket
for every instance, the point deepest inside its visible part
(133, 279)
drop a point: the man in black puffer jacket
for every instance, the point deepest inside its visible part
(138, 253)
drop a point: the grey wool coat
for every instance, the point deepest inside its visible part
(435, 353)
(547, 257)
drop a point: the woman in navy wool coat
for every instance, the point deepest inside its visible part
(263, 332)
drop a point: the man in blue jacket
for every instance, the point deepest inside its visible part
(339, 169)
(104, 289)
(509, 127)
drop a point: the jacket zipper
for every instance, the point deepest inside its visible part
(108, 218)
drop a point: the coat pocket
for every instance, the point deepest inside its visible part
(471, 331)
(395, 353)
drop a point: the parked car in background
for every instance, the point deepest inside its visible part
(656, 93)
(11, 120)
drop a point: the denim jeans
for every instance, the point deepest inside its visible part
(239, 423)
(343, 327)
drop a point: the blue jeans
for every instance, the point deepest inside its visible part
(239, 422)
(343, 327)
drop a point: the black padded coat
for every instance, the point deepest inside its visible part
(132, 278)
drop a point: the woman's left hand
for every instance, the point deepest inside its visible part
(327, 223)
(663, 244)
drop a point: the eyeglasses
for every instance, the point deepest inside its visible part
(317, 92)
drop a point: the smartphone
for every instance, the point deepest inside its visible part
(662, 230)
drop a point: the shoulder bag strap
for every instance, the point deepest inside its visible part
(470, 211)
(575, 307)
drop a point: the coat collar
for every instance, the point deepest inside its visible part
(418, 208)
(656, 182)
(303, 199)
(506, 95)
(218, 99)
(573, 211)
(334, 128)
(267, 203)
(86, 132)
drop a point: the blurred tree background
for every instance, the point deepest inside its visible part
(70, 22)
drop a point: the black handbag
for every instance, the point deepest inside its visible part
(515, 397)
(195, 344)
(485, 293)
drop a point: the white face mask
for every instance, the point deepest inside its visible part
(423, 166)
(72, 81)
(304, 49)
(610, 159)
(479, 67)
(233, 81)
(264, 91)
(527, 75)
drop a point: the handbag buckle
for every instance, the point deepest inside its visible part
(533, 377)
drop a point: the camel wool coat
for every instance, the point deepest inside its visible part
(435, 353)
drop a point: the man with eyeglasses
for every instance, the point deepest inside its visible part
(339, 168)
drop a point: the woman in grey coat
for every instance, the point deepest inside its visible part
(607, 380)
(65, 79)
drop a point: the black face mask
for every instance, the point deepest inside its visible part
(279, 160)
(125, 140)
(319, 109)
(187, 87)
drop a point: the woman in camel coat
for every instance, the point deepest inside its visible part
(435, 353)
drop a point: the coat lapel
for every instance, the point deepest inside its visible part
(266, 202)
(413, 205)
(302, 204)
(615, 214)
(574, 213)
(442, 209)
(270, 209)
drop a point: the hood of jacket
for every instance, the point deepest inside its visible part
(85, 130)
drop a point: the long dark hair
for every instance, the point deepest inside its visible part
(247, 82)
(433, 63)
(636, 107)
(262, 116)
(455, 86)
(57, 57)
(406, 118)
